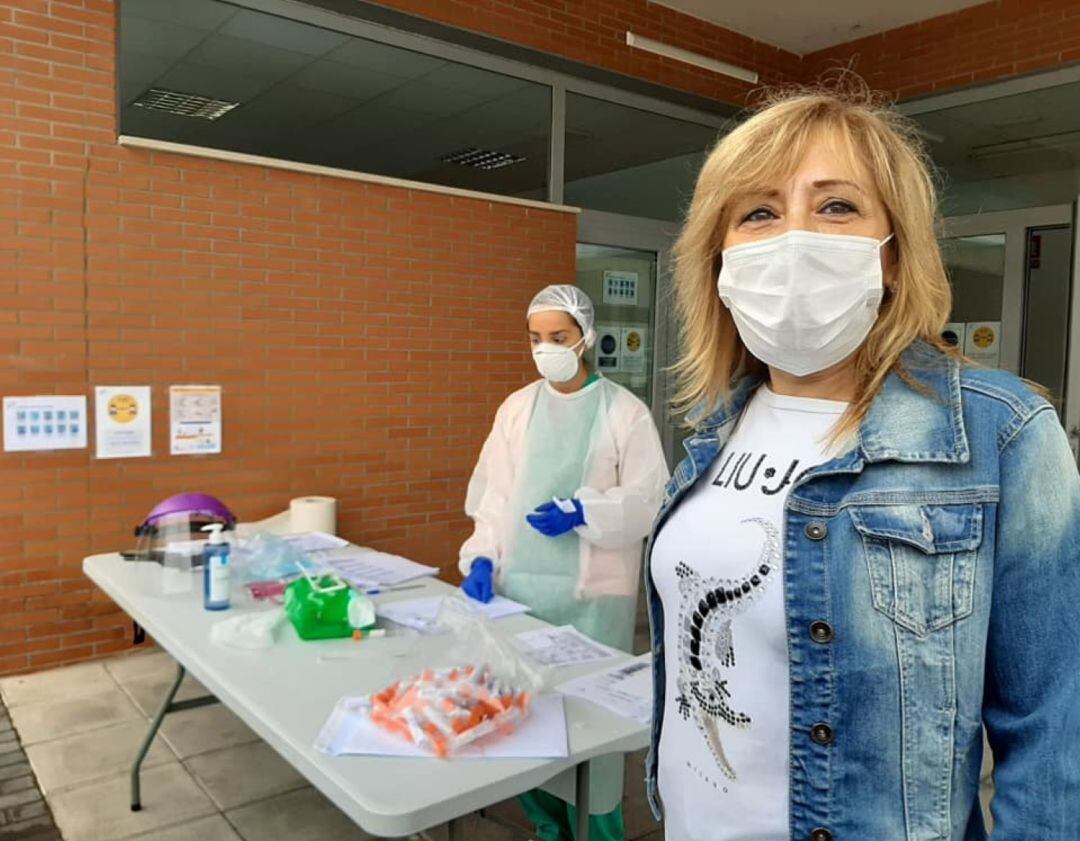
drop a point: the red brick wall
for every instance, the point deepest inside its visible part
(982, 43)
(363, 335)
(975, 45)
(594, 32)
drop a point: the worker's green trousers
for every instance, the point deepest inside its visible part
(556, 820)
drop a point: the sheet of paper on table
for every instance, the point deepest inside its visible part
(420, 614)
(541, 735)
(314, 541)
(563, 646)
(625, 689)
(368, 568)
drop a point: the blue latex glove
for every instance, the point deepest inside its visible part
(551, 520)
(478, 584)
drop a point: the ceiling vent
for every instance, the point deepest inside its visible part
(482, 158)
(184, 104)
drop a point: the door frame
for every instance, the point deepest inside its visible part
(1072, 354)
(1014, 224)
(658, 236)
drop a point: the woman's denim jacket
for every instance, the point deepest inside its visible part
(943, 551)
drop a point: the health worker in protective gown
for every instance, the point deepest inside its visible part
(565, 491)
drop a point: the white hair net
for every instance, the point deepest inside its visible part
(572, 301)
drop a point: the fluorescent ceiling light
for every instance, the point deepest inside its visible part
(184, 104)
(1065, 141)
(687, 57)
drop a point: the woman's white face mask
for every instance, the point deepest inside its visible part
(803, 301)
(558, 363)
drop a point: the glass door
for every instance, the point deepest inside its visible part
(976, 267)
(1047, 286)
(623, 264)
(622, 284)
(1011, 275)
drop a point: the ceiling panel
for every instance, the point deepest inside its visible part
(166, 42)
(237, 55)
(340, 79)
(386, 59)
(283, 34)
(200, 14)
(802, 27)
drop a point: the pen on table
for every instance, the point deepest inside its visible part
(380, 590)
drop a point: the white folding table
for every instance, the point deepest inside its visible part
(285, 694)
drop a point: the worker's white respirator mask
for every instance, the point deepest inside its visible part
(803, 301)
(557, 363)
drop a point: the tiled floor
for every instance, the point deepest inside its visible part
(207, 777)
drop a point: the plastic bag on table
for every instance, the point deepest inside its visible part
(264, 557)
(249, 631)
(482, 689)
(475, 638)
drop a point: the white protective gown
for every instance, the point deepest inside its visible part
(598, 444)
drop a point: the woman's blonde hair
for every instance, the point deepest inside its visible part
(766, 148)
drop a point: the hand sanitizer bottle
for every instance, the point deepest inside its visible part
(215, 569)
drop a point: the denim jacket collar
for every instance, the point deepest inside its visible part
(903, 424)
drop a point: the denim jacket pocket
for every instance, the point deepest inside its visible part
(921, 560)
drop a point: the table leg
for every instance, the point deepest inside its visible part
(582, 798)
(167, 706)
(455, 830)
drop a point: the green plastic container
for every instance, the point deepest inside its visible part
(315, 615)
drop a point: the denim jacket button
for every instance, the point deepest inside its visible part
(822, 734)
(820, 834)
(816, 530)
(822, 632)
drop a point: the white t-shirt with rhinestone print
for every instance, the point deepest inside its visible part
(718, 568)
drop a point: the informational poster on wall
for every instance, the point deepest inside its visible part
(123, 421)
(982, 342)
(954, 333)
(194, 419)
(45, 422)
(634, 341)
(620, 288)
(608, 347)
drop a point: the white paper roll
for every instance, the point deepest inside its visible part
(313, 513)
(305, 513)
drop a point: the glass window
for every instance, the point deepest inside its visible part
(1007, 153)
(624, 160)
(211, 74)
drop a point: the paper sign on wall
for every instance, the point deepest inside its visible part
(123, 420)
(608, 348)
(953, 334)
(194, 419)
(982, 342)
(633, 344)
(620, 288)
(44, 422)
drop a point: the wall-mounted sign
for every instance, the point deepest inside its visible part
(982, 342)
(608, 347)
(620, 288)
(122, 416)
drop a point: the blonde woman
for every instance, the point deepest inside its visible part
(873, 548)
